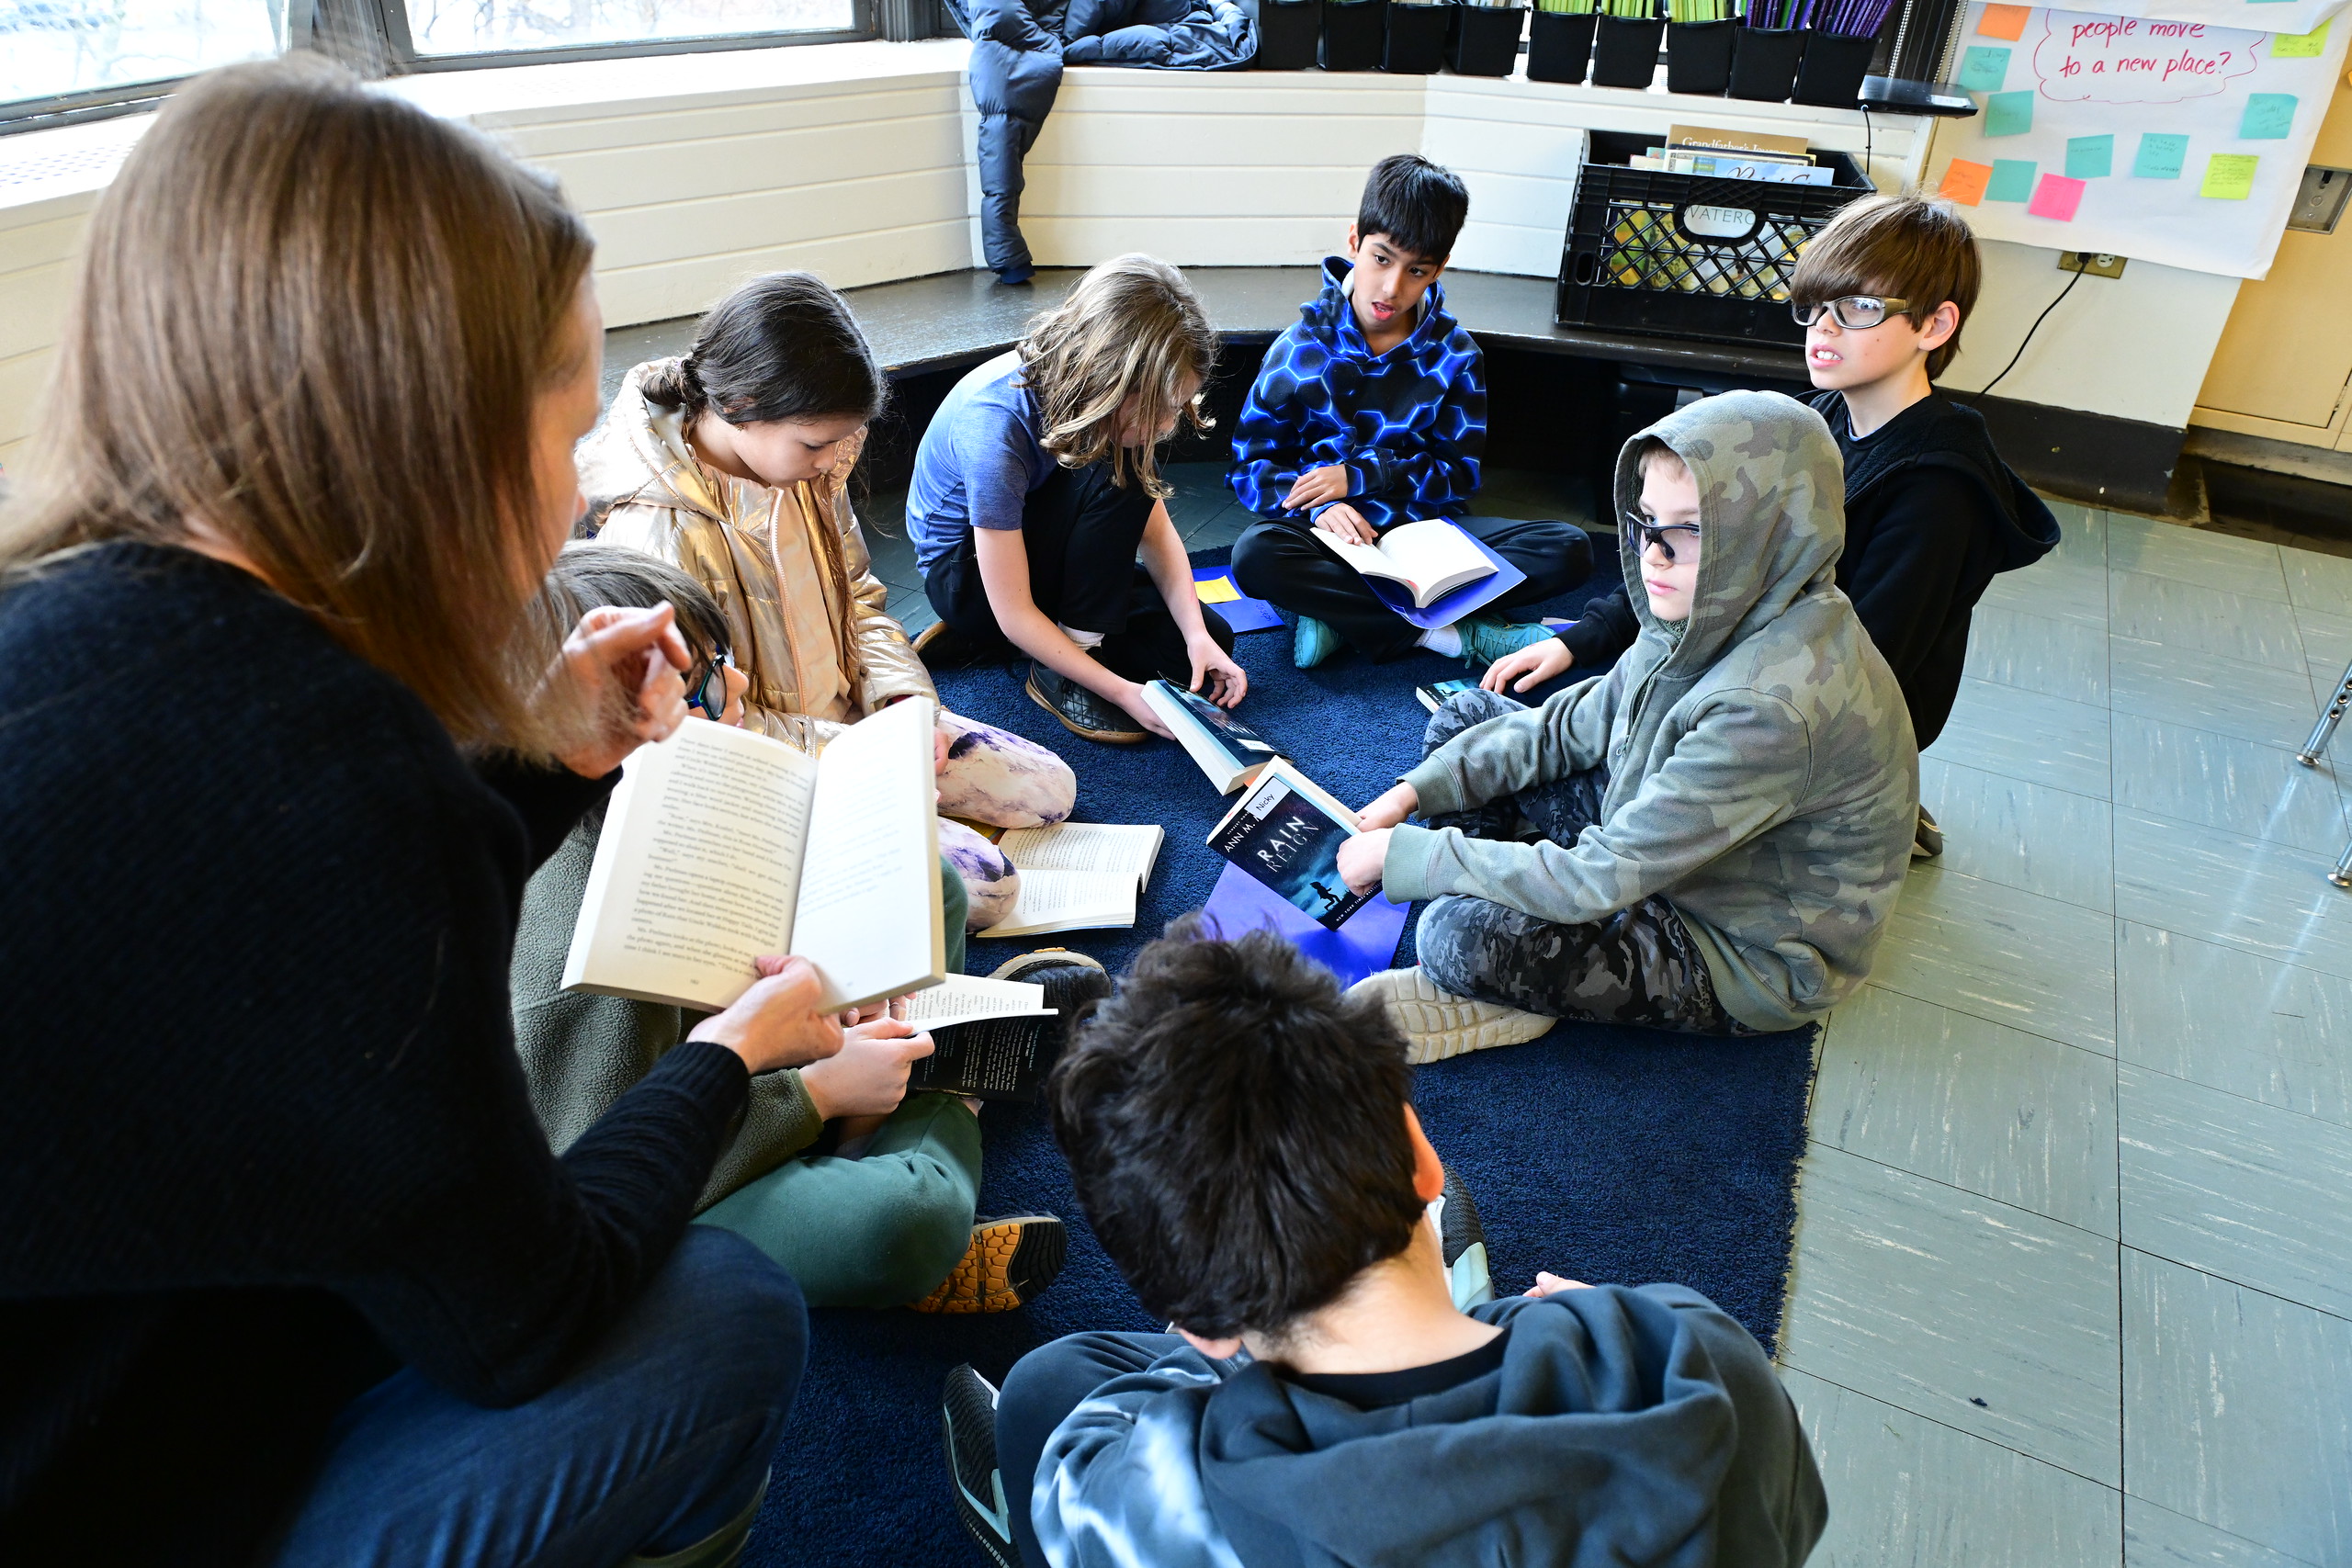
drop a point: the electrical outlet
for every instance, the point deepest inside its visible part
(2099, 263)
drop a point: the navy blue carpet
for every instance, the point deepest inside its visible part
(1598, 1152)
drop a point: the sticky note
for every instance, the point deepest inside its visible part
(2161, 156)
(1983, 68)
(2229, 177)
(1217, 591)
(1964, 182)
(2057, 197)
(2299, 46)
(2269, 116)
(2003, 21)
(2089, 157)
(2008, 114)
(2012, 180)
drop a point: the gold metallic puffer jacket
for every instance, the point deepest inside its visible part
(789, 568)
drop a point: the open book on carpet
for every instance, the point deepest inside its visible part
(720, 845)
(1075, 876)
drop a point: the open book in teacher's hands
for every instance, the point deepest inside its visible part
(722, 845)
(1286, 832)
(1077, 876)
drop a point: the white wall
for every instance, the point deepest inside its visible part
(855, 160)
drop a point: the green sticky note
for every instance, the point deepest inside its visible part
(2161, 156)
(2012, 180)
(2089, 157)
(2229, 177)
(1983, 69)
(2008, 114)
(2269, 116)
(2299, 46)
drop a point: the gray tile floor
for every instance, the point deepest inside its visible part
(2073, 1281)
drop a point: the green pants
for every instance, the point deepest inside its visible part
(885, 1228)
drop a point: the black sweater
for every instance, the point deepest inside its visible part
(265, 1137)
(1932, 513)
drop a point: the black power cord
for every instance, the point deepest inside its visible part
(1982, 391)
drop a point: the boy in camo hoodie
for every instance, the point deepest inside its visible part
(1721, 821)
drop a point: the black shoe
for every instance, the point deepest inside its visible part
(1080, 711)
(1929, 841)
(967, 1422)
(1073, 983)
(941, 646)
(1462, 1243)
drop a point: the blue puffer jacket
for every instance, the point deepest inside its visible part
(1168, 35)
(1409, 424)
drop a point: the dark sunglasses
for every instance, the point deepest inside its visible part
(1855, 312)
(1650, 533)
(708, 691)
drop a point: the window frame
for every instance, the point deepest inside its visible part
(384, 46)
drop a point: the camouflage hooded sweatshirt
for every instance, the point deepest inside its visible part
(1762, 773)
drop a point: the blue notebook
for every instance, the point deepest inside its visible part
(1216, 586)
(1364, 945)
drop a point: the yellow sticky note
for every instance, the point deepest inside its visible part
(1217, 591)
(2299, 46)
(2003, 21)
(2229, 177)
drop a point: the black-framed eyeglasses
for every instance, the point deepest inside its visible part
(708, 691)
(1650, 533)
(1855, 312)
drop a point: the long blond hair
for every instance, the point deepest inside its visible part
(315, 319)
(1132, 328)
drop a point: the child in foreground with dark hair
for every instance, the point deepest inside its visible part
(1932, 513)
(1242, 1139)
(732, 463)
(1372, 411)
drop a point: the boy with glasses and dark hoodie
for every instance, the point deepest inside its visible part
(1369, 411)
(1242, 1139)
(1932, 513)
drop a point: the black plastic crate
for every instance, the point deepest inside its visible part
(1687, 256)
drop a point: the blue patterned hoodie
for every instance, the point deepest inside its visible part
(1409, 424)
(1639, 1426)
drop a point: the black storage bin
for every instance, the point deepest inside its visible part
(1559, 46)
(1697, 56)
(1831, 73)
(1417, 34)
(1485, 40)
(1764, 62)
(1690, 256)
(1625, 52)
(1289, 32)
(1353, 34)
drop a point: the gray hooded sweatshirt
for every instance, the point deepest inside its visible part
(1762, 773)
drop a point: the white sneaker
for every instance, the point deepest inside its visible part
(1439, 1024)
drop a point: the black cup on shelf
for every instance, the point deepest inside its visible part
(1697, 56)
(1625, 52)
(1485, 40)
(1416, 35)
(1354, 33)
(1830, 74)
(1559, 46)
(1764, 62)
(1289, 32)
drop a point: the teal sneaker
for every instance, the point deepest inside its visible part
(1313, 643)
(1485, 639)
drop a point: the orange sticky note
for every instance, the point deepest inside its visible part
(1964, 182)
(2003, 21)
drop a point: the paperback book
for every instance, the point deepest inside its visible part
(1077, 876)
(987, 1038)
(1228, 751)
(1431, 572)
(1287, 833)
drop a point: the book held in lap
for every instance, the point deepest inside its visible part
(1432, 572)
(722, 845)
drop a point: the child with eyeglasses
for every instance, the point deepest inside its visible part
(1932, 513)
(1711, 837)
(893, 1227)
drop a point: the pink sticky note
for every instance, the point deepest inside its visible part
(2057, 197)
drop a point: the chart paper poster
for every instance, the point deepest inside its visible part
(2172, 140)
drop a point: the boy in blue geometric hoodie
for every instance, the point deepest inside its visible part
(1242, 1139)
(1370, 411)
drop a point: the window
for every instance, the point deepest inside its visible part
(80, 49)
(480, 27)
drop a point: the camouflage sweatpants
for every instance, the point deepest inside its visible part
(1638, 965)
